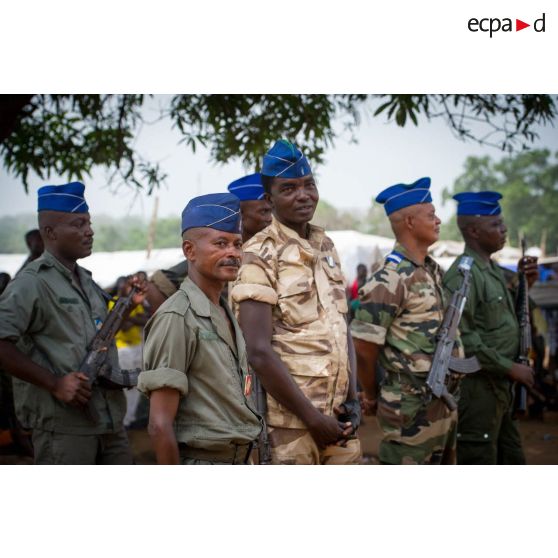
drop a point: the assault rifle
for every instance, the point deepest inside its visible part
(95, 366)
(525, 341)
(264, 448)
(445, 340)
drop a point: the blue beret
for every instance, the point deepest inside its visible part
(67, 198)
(478, 203)
(248, 187)
(216, 211)
(403, 195)
(285, 160)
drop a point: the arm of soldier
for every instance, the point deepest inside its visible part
(164, 283)
(72, 388)
(491, 361)
(352, 391)
(348, 413)
(163, 406)
(168, 352)
(256, 322)
(154, 296)
(367, 358)
(381, 300)
(19, 314)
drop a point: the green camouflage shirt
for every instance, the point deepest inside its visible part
(302, 280)
(489, 327)
(53, 320)
(402, 307)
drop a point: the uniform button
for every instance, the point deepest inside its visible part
(485, 435)
(458, 435)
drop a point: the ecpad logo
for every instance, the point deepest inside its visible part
(494, 24)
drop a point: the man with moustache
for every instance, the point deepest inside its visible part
(293, 312)
(487, 433)
(255, 210)
(401, 310)
(49, 314)
(195, 365)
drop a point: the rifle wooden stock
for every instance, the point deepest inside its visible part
(97, 353)
(264, 447)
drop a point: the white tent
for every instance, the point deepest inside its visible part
(353, 248)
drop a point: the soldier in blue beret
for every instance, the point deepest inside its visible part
(195, 367)
(401, 310)
(293, 310)
(254, 206)
(48, 317)
(255, 210)
(487, 433)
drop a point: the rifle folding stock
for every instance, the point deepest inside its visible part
(445, 340)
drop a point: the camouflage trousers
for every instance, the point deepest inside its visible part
(294, 446)
(416, 432)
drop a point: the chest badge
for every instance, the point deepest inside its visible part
(330, 261)
(98, 323)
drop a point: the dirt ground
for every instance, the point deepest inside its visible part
(540, 441)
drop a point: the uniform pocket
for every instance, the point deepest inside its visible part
(494, 313)
(298, 301)
(337, 283)
(493, 307)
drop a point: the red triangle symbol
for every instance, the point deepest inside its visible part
(519, 25)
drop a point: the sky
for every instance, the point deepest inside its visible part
(350, 177)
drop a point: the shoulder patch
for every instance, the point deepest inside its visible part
(395, 257)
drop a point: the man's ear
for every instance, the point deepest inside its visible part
(48, 233)
(268, 198)
(189, 250)
(473, 231)
(409, 221)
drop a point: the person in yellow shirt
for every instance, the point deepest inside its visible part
(129, 345)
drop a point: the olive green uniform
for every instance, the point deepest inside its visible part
(52, 319)
(486, 433)
(189, 347)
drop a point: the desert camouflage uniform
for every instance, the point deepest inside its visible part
(302, 280)
(401, 310)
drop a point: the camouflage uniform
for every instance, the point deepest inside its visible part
(302, 281)
(401, 310)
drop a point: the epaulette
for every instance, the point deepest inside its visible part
(394, 258)
(178, 303)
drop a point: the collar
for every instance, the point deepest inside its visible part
(400, 249)
(480, 262)
(198, 299)
(315, 233)
(49, 260)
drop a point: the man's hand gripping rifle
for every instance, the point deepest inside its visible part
(445, 340)
(95, 365)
